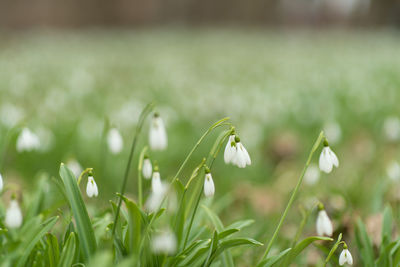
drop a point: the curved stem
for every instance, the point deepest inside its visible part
(139, 126)
(87, 170)
(292, 197)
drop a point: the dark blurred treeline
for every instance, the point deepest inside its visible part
(81, 13)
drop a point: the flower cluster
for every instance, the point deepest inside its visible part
(235, 153)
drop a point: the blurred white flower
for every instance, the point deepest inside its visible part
(209, 188)
(230, 149)
(324, 224)
(327, 159)
(345, 256)
(1, 183)
(13, 215)
(393, 170)
(114, 141)
(27, 141)
(158, 135)
(312, 175)
(156, 185)
(156, 197)
(75, 167)
(242, 157)
(147, 169)
(91, 187)
(10, 115)
(164, 243)
(333, 132)
(391, 128)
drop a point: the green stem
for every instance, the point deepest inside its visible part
(139, 127)
(212, 157)
(292, 197)
(140, 167)
(87, 170)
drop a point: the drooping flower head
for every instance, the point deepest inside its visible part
(242, 158)
(230, 149)
(164, 243)
(345, 256)
(27, 141)
(327, 159)
(158, 135)
(209, 188)
(147, 168)
(91, 187)
(115, 141)
(13, 214)
(324, 224)
(156, 185)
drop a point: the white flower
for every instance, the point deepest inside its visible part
(324, 224)
(1, 183)
(75, 167)
(13, 215)
(27, 141)
(230, 149)
(164, 243)
(156, 185)
(209, 188)
(393, 170)
(345, 257)
(147, 168)
(312, 175)
(114, 141)
(158, 134)
(91, 187)
(156, 198)
(242, 157)
(327, 159)
(391, 128)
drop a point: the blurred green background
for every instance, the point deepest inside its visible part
(279, 87)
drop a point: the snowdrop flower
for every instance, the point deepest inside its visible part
(13, 215)
(164, 243)
(345, 256)
(209, 188)
(327, 159)
(324, 224)
(230, 149)
(1, 183)
(27, 141)
(114, 141)
(393, 171)
(391, 128)
(156, 185)
(75, 167)
(242, 157)
(147, 169)
(158, 134)
(91, 187)
(156, 198)
(312, 175)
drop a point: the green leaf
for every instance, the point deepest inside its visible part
(386, 226)
(364, 245)
(84, 227)
(240, 224)
(301, 246)
(68, 252)
(133, 236)
(32, 237)
(53, 250)
(227, 233)
(235, 243)
(274, 259)
(213, 247)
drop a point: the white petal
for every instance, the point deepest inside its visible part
(246, 154)
(229, 152)
(325, 163)
(114, 141)
(240, 158)
(324, 224)
(349, 257)
(13, 215)
(342, 258)
(334, 159)
(91, 188)
(164, 243)
(158, 135)
(147, 169)
(209, 188)
(156, 185)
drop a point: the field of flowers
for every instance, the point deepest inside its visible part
(199, 148)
